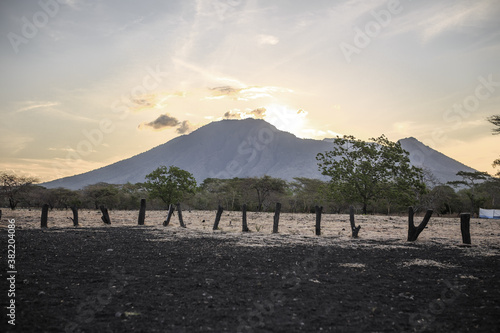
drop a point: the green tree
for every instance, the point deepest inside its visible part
(442, 199)
(490, 190)
(101, 194)
(306, 193)
(14, 187)
(265, 186)
(171, 184)
(223, 192)
(496, 163)
(362, 171)
(62, 198)
(130, 195)
(495, 120)
(470, 180)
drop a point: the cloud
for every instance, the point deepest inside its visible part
(12, 142)
(258, 113)
(224, 91)
(267, 40)
(255, 92)
(125, 26)
(52, 109)
(30, 105)
(209, 75)
(153, 101)
(232, 115)
(161, 122)
(246, 93)
(432, 21)
(457, 18)
(185, 127)
(165, 121)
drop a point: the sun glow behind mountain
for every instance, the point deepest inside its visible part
(287, 119)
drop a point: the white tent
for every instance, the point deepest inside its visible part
(489, 213)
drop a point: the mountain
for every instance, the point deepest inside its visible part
(243, 148)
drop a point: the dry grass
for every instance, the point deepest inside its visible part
(376, 231)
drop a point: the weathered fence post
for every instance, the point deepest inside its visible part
(45, 215)
(169, 215)
(413, 231)
(244, 226)
(74, 209)
(142, 212)
(354, 229)
(465, 227)
(276, 220)
(318, 211)
(217, 217)
(179, 212)
(105, 216)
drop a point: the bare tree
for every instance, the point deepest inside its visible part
(14, 187)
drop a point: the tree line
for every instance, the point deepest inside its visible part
(259, 193)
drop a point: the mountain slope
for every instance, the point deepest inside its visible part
(242, 148)
(441, 166)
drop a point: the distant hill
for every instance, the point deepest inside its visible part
(243, 148)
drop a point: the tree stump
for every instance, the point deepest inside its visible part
(465, 227)
(318, 211)
(105, 216)
(74, 209)
(217, 217)
(244, 227)
(179, 212)
(354, 229)
(413, 231)
(169, 215)
(45, 215)
(276, 219)
(142, 212)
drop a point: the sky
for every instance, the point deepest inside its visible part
(86, 83)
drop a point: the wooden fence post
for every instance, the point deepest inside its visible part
(45, 215)
(244, 226)
(354, 229)
(105, 216)
(217, 217)
(465, 227)
(318, 211)
(179, 212)
(169, 215)
(142, 212)
(74, 209)
(413, 231)
(276, 218)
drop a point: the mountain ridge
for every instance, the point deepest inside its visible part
(243, 148)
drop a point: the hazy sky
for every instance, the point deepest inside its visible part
(87, 83)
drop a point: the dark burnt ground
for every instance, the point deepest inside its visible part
(69, 280)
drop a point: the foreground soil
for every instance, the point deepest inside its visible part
(139, 279)
(128, 278)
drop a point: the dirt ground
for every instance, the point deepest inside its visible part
(128, 278)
